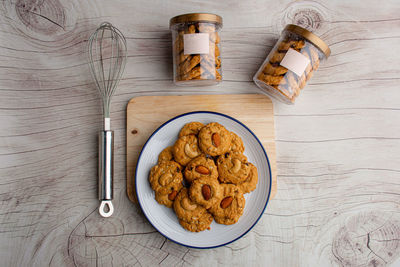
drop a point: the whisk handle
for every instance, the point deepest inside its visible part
(106, 171)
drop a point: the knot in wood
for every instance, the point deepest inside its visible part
(308, 18)
(94, 237)
(46, 17)
(307, 14)
(371, 239)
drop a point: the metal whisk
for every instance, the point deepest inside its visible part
(107, 58)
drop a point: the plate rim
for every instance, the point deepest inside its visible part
(231, 118)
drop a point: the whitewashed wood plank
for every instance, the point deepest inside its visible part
(338, 147)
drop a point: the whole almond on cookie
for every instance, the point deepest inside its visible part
(226, 202)
(203, 170)
(216, 138)
(206, 191)
(172, 195)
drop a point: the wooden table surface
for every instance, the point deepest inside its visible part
(338, 148)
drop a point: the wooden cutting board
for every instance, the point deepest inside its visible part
(146, 113)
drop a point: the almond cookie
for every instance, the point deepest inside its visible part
(290, 93)
(178, 44)
(166, 155)
(218, 75)
(182, 57)
(200, 167)
(309, 75)
(236, 143)
(206, 27)
(293, 83)
(218, 63)
(230, 208)
(205, 192)
(250, 183)
(198, 224)
(285, 90)
(191, 29)
(271, 79)
(217, 51)
(272, 69)
(214, 139)
(195, 73)
(185, 149)
(314, 57)
(189, 64)
(302, 81)
(191, 128)
(311, 53)
(276, 57)
(190, 212)
(165, 177)
(168, 198)
(233, 168)
(309, 70)
(208, 64)
(285, 45)
(214, 37)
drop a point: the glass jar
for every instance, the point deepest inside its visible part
(291, 63)
(196, 49)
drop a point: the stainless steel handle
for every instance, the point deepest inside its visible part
(106, 172)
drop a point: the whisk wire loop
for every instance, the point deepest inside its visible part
(107, 59)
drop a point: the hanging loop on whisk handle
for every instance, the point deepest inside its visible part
(106, 171)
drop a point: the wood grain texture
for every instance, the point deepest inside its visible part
(145, 114)
(338, 148)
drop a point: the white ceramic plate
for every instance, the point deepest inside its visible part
(165, 220)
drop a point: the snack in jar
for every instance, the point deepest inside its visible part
(291, 63)
(196, 49)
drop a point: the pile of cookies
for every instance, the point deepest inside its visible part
(286, 82)
(204, 176)
(197, 66)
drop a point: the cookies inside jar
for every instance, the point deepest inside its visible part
(291, 64)
(196, 49)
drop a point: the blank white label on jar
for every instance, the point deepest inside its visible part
(196, 43)
(295, 61)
